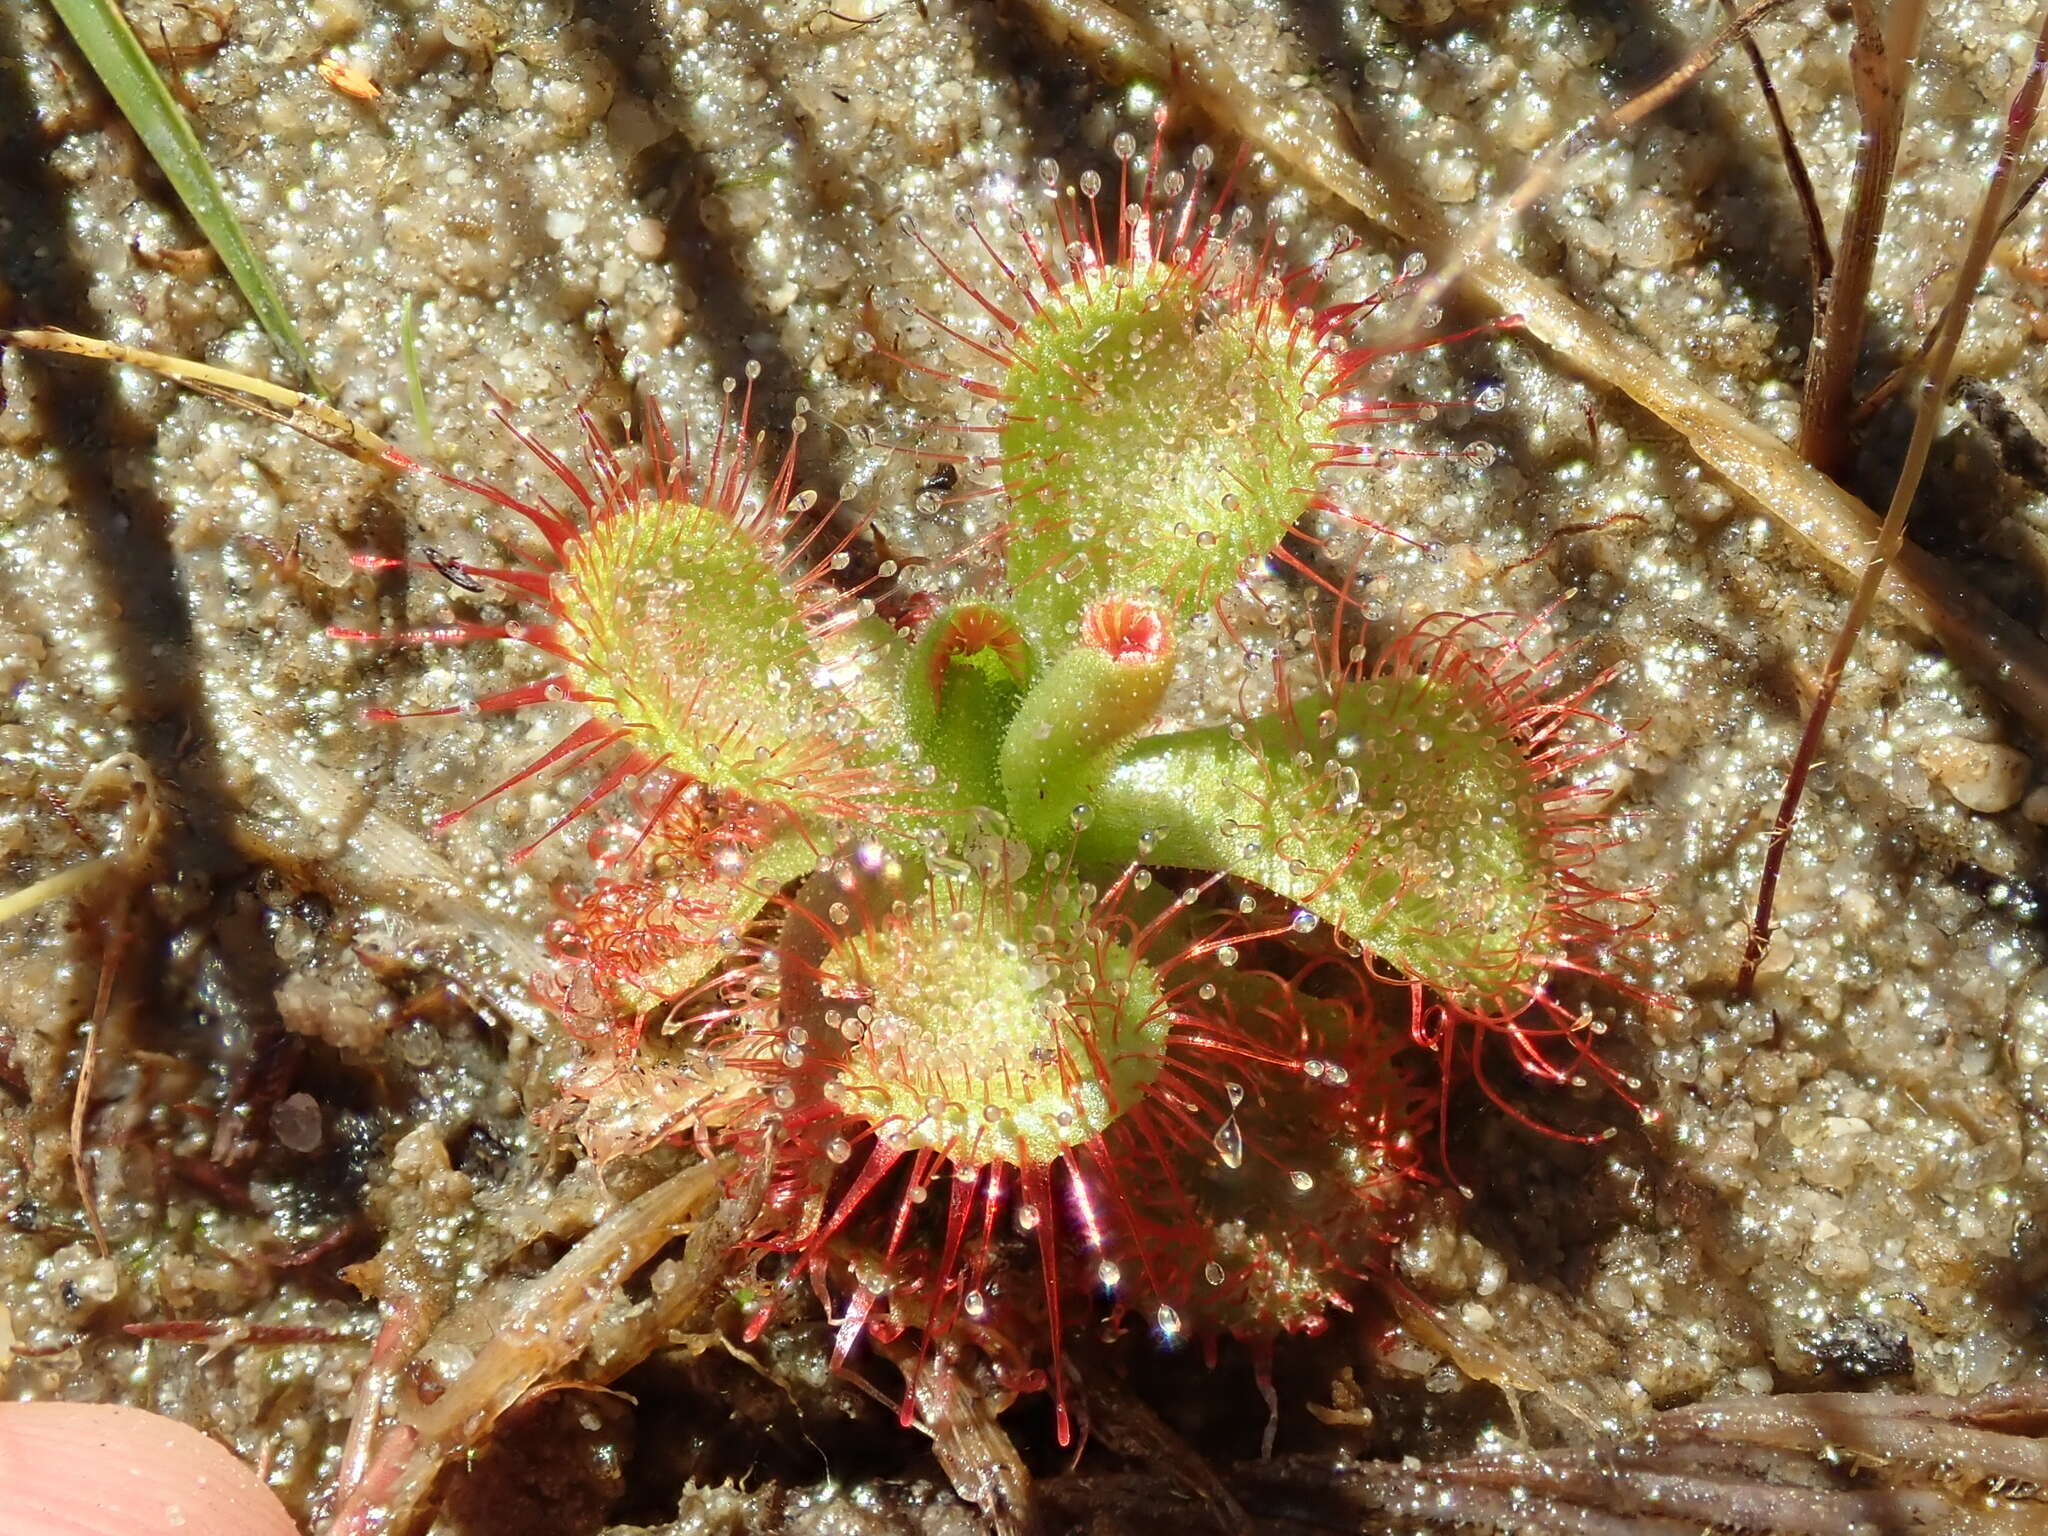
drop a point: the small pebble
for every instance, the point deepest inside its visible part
(645, 238)
(295, 1122)
(1981, 775)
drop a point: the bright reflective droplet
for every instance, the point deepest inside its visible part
(1230, 1143)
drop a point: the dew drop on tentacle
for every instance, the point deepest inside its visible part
(1229, 1143)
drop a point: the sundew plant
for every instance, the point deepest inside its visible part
(1048, 796)
(1033, 1005)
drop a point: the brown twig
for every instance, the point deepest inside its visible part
(1897, 379)
(139, 832)
(1880, 59)
(1819, 254)
(2019, 127)
(2019, 204)
(299, 1258)
(399, 1336)
(1797, 1464)
(1484, 234)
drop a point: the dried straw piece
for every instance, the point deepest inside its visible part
(1799, 1464)
(546, 1328)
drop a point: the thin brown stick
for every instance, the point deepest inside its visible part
(1303, 130)
(1820, 255)
(1485, 232)
(81, 1094)
(1898, 378)
(2019, 128)
(398, 1338)
(1880, 60)
(1892, 383)
(139, 831)
(2019, 204)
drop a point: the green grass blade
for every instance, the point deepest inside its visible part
(110, 45)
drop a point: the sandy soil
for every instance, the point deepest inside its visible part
(319, 1040)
